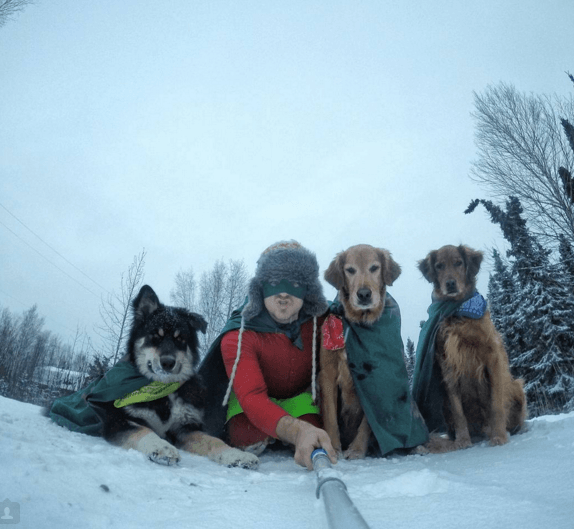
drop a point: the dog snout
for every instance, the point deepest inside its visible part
(364, 296)
(167, 363)
(451, 286)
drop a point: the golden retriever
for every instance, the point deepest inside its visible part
(361, 275)
(482, 397)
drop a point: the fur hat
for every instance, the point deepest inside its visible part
(287, 260)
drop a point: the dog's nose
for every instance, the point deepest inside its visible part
(451, 286)
(364, 296)
(167, 363)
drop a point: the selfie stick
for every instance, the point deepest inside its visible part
(341, 512)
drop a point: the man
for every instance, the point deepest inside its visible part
(267, 350)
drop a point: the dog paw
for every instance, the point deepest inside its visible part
(462, 442)
(497, 440)
(233, 457)
(420, 450)
(352, 454)
(163, 453)
(438, 444)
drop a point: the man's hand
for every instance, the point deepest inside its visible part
(306, 438)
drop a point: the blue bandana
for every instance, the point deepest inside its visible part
(474, 307)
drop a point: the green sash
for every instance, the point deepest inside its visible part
(296, 406)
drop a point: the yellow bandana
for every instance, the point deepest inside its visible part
(155, 390)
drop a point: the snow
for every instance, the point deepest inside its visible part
(62, 479)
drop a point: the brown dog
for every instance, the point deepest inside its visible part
(361, 275)
(482, 396)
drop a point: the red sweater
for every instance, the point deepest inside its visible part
(270, 366)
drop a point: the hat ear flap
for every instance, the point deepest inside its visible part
(255, 300)
(334, 275)
(426, 267)
(390, 269)
(472, 260)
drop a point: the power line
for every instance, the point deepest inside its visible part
(51, 248)
(44, 257)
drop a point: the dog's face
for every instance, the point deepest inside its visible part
(452, 270)
(361, 275)
(163, 340)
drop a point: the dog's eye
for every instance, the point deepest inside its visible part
(458, 263)
(374, 268)
(439, 266)
(351, 271)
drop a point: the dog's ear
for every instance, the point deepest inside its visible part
(390, 269)
(426, 267)
(334, 274)
(197, 322)
(145, 303)
(472, 260)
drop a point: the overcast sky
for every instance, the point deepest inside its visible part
(206, 130)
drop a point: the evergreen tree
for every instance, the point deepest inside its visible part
(501, 297)
(410, 357)
(530, 258)
(533, 306)
(567, 260)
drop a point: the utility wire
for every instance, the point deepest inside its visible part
(44, 257)
(51, 248)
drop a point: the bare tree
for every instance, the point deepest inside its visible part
(183, 294)
(222, 290)
(211, 300)
(29, 329)
(521, 146)
(9, 8)
(115, 308)
(235, 286)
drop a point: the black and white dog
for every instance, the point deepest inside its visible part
(163, 346)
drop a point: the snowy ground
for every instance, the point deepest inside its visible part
(62, 479)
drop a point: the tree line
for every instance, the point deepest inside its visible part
(37, 366)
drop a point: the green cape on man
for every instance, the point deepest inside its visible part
(376, 362)
(427, 389)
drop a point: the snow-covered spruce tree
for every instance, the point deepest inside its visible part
(410, 356)
(567, 260)
(538, 323)
(502, 297)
